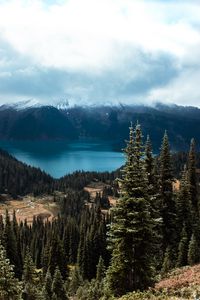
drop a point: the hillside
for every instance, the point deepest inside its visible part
(181, 283)
(106, 122)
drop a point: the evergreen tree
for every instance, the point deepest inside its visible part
(168, 207)
(76, 281)
(11, 246)
(149, 162)
(58, 290)
(183, 206)
(10, 288)
(46, 291)
(193, 252)
(168, 260)
(183, 249)
(100, 270)
(193, 189)
(30, 279)
(131, 231)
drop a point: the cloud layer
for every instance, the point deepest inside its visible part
(91, 51)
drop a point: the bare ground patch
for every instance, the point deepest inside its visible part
(29, 207)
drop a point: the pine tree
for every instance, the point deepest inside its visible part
(58, 290)
(182, 249)
(10, 288)
(193, 252)
(193, 190)
(183, 205)
(46, 291)
(131, 231)
(30, 279)
(100, 270)
(168, 260)
(76, 281)
(11, 246)
(168, 207)
(149, 162)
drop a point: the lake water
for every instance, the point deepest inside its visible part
(58, 158)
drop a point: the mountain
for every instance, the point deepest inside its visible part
(21, 105)
(31, 120)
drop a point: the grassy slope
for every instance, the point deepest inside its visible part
(182, 283)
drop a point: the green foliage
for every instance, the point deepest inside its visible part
(47, 288)
(131, 232)
(76, 281)
(168, 207)
(58, 289)
(193, 252)
(31, 288)
(182, 249)
(10, 287)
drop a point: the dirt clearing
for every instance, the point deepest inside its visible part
(29, 206)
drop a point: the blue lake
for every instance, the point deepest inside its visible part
(58, 158)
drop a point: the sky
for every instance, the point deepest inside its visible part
(100, 51)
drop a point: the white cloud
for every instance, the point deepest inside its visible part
(99, 37)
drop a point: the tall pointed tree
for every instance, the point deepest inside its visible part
(58, 290)
(131, 231)
(183, 205)
(168, 207)
(10, 287)
(47, 288)
(192, 183)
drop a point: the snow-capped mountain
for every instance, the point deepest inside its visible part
(21, 105)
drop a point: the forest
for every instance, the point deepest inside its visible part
(93, 250)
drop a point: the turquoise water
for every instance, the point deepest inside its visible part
(58, 158)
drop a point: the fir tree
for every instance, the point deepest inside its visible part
(182, 249)
(76, 281)
(131, 232)
(58, 290)
(46, 291)
(193, 252)
(30, 279)
(168, 210)
(183, 205)
(11, 246)
(100, 270)
(10, 288)
(168, 260)
(192, 180)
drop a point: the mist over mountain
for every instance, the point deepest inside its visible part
(103, 122)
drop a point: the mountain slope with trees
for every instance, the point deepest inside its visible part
(104, 122)
(92, 253)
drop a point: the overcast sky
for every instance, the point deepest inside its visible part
(100, 51)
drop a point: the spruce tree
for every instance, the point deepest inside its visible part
(168, 260)
(131, 231)
(76, 281)
(58, 289)
(10, 288)
(30, 279)
(182, 249)
(183, 206)
(11, 246)
(100, 270)
(46, 291)
(168, 206)
(193, 252)
(193, 189)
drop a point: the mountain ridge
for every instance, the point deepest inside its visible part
(104, 122)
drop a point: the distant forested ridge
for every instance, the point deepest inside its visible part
(93, 251)
(104, 122)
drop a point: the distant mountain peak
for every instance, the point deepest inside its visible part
(21, 105)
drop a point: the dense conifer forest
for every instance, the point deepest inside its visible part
(92, 251)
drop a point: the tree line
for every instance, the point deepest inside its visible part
(92, 254)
